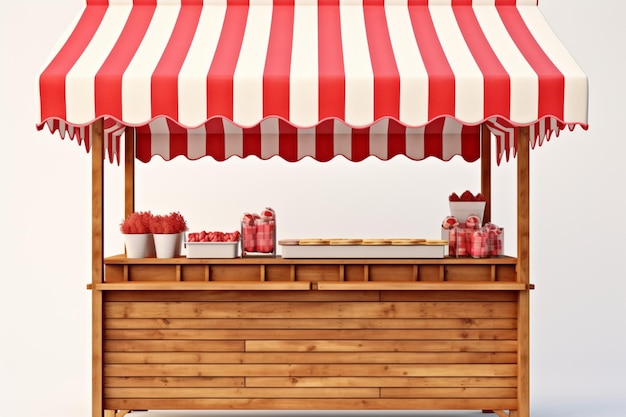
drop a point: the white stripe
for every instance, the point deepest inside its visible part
(136, 89)
(469, 80)
(576, 88)
(358, 67)
(342, 139)
(80, 80)
(192, 79)
(413, 75)
(82, 131)
(303, 77)
(536, 133)
(248, 76)
(196, 142)
(379, 139)
(233, 139)
(269, 138)
(415, 142)
(451, 138)
(306, 142)
(160, 138)
(524, 81)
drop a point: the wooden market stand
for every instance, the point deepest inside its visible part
(306, 334)
(272, 333)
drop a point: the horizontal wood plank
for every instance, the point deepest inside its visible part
(243, 296)
(448, 392)
(218, 392)
(290, 382)
(466, 282)
(310, 309)
(311, 404)
(310, 357)
(309, 323)
(363, 345)
(356, 370)
(174, 382)
(161, 282)
(131, 345)
(509, 382)
(294, 334)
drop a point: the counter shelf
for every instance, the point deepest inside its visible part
(121, 269)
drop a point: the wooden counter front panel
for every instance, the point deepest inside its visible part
(310, 350)
(383, 270)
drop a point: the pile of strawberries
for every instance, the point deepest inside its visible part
(466, 196)
(205, 236)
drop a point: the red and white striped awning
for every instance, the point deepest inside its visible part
(317, 78)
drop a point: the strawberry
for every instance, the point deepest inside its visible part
(454, 197)
(479, 197)
(449, 222)
(467, 196)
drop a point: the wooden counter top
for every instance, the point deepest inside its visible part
(319, 274)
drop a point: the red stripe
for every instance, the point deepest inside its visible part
(470, 143)
(360, 144)
(178, 139)
(108, 82)
(433, 142)
(52, 79)
(143, 143)
(396, 139)
(497, 86)
(440, 75)
(215, 139)
(287, 141)
(551, 81)
(252, 141)
(222, 70)
(386, 75)
(110, 137)
(278, 62)
(332, 83)
(164, 81)
(325, 141)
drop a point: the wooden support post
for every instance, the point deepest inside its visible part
(97, 262)
(485, 170)
(129, 171)
(523, 270)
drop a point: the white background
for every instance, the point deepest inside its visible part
(578, 310)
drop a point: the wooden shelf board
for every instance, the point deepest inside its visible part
(182, 260)
(205, 286)
(421, 286)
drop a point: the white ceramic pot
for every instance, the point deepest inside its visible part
(165, 244)
(137, 245)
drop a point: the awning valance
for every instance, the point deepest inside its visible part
(336, 70)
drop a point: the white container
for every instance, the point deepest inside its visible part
(139, 245)
(363, 251)
(218, 250)
(165, 244)
(462, 209)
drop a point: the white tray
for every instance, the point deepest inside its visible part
(363, 251)
(218, 250)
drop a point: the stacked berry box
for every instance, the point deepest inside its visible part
(259, 233)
